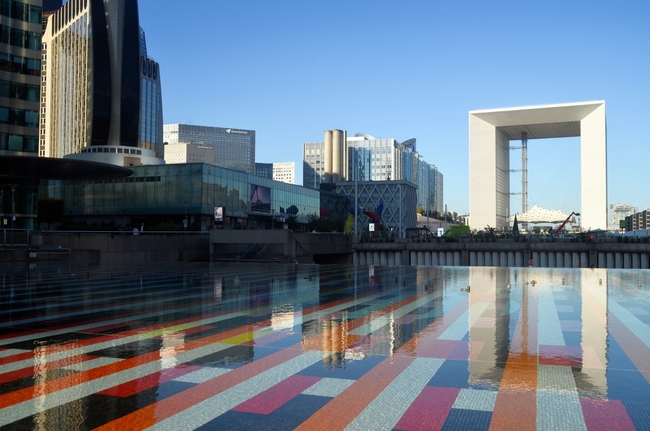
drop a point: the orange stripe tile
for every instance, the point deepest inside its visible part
(168, 407)
(338, 413)
(516, 403)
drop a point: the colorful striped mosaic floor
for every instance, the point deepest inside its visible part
(274, 347)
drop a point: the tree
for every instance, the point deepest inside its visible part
(50, 211)
(420, 210)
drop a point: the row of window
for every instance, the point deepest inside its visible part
(18, 64)
(22, 143)
(20, 38)
(111, 150)
(18, 117)
(20, 91)
(21, 11)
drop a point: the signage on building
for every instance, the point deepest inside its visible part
(218, 214)
(238, 132)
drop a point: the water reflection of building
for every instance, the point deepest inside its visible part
(515, 315)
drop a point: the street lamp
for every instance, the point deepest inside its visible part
(185, 219)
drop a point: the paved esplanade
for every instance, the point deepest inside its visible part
(281, 347)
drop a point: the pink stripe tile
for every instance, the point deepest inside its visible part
(276, 396)
(429, 410)
(605, 415)
(437, 349)
(460, 352)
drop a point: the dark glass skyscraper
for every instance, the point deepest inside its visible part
(100, 87)
(52, 5)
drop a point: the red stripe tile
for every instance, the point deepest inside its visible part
(429, 410)
(275, 397)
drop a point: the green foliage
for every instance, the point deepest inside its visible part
(324, 224)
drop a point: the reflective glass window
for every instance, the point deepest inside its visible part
(31, 118)
(31, 144)
(35, 14)
(15, 143)
(5, 88)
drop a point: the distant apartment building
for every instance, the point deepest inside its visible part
(638, 221)
(233, 148)
(188, 153)
(284, 172)
(101, 93)
(618, 212)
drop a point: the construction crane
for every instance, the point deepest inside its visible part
(559, 229)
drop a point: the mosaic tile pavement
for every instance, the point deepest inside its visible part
(274, 347)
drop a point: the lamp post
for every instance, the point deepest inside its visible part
(185, 219)
(13, 212)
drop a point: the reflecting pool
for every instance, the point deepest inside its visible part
(267, 346)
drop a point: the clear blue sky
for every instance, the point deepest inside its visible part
(412, 69)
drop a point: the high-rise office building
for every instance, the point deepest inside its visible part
(51, 5)
(264, 170)
(101, 91)
(367, 158)
(188, 153)
(20, 70)
(233, 148)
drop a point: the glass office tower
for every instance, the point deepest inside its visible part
(20, 70)
(100, 88)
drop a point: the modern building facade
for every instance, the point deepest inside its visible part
(398, 199)
(372, 159)
(99, 87)
(20, 69)
(284, 172)
(313, 167)
(188, 153)
(233, 148)
(638, 221)
(156, 194)
(264, 170)
(618, 213)
(490, 133)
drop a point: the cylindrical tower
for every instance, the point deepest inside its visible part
(337, 156)
(327, 151)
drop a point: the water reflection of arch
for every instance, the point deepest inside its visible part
(494, 309)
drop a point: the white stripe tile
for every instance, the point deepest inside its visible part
(390, 405)
(201, 413)
(328, 387)
(202, 375)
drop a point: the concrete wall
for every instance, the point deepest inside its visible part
(146, 247)
(507, 254)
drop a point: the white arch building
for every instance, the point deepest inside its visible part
(490, 133)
